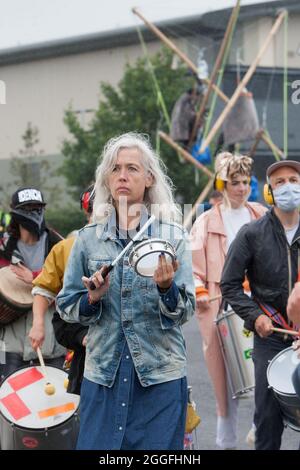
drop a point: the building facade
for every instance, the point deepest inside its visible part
(38, 83)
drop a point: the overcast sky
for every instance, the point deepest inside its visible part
(30, 21)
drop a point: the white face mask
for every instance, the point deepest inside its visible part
(287, 197)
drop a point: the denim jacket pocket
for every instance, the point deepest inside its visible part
(95, 264)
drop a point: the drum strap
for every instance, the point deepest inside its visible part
(276, 316)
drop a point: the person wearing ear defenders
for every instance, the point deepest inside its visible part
(212, 234)
(87, 200)
(267, 251)
(45, 289)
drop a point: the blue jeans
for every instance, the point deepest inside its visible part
(267, 418)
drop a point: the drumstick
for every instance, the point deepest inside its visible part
(49, 388)
(288, 332)
(107, 269)
(216, 297)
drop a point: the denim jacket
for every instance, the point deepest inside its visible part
(132, 309)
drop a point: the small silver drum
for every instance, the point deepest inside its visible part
(144, 255)
(237, 346)
(279, 375)
(30, 419)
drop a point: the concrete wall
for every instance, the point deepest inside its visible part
(254, 33)
(41, 91)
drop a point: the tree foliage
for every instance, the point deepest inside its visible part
(29, 168)
(131, 106)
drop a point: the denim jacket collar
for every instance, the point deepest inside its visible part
(109, 229)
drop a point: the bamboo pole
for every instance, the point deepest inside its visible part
(242, 83)
(186, 155)
(261, 135)
(204, 193)
(177, 51)
(272, 146)
(215, 70)
(220, 77)
(256, 142)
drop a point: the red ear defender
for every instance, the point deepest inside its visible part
(85, 199)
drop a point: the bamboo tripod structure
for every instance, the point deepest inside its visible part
(230, 102)
(243, 82)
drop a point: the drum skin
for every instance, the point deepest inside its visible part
(279, 375)
(144, 255)
(30, 419)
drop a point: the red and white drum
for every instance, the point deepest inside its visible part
(30, 419)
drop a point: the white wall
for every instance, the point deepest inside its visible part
(254, 34)
(40, 91)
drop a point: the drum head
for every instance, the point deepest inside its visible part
(14, 290)
(280, 371)
(148, 263)
(144, 256)
(23, 400)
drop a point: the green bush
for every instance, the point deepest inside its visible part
(65, 219)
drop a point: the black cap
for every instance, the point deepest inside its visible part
(24, 196)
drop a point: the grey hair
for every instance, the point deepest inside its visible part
(158, 199)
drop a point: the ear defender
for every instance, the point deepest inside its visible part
(219, 185)
(84, 200)
(268, 195)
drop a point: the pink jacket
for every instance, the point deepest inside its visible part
(209, 248)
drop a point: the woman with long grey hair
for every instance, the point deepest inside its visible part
(158, 197)
(134, 392)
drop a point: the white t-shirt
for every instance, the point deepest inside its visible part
(233, 220)
(290, 233)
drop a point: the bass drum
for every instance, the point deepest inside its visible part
(30, 419)
(237, 346)
(279, 375)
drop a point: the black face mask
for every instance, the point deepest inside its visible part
(33, 221)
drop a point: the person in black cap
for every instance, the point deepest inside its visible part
(266, 251)
(24, 249)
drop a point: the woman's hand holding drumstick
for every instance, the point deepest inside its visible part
(100, 285)
(203, 301)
